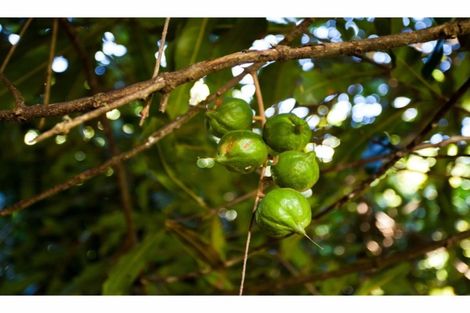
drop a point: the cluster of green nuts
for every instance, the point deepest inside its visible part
(283, 210)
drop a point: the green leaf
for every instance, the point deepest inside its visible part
(236, 38)
(383, 278)
(192, 45)
(128, 267)
(195, 243)
(219, 280)
(332, 78)
(87, 282)
(217, 236)
(278, 81)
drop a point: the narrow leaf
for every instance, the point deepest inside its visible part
(128, 267)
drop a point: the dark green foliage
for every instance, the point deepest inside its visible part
(191, 223)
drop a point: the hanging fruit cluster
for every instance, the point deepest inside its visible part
(283, 210)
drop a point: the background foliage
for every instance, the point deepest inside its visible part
(189, 240)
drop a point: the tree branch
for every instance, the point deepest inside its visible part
(86, 175)
(19, 99)
(361, 162)
(144, 88)
(363, 265)
(443, 109)
(151, 140)
(141, 90)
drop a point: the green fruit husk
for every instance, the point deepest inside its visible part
(241, 151)
(235, 114)
(282, 212)
(295, 169)
(286, 131)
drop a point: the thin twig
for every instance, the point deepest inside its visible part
(429, 173)
(47, 89)
(81, 52)
(178, 182)
(448, 141)
(422, 146)
(309, 286)
(259, 194)
(164, 101)
(382, 66)
(145, 112)
(214, 211)
(207, 270)
(141, 90)
(461, 109)
(19, 99)
(13, 47)
(259, 99)
(260, 191)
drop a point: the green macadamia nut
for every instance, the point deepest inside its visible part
(296, 169)
(234, 114)
(286, 131)
(241, 151)
(282, 212)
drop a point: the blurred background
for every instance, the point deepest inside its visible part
(187, 226)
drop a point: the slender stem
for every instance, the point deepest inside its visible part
(47, 91)
(169, 172)
(161, 48)
(213, 211)
(309, 286)
(13, 47)
(145, 112)
(259, 99)
(259, 192)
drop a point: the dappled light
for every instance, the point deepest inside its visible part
(118, 144)
(60, 64)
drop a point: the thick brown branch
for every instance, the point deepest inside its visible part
(280, 53)
(365, 265)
